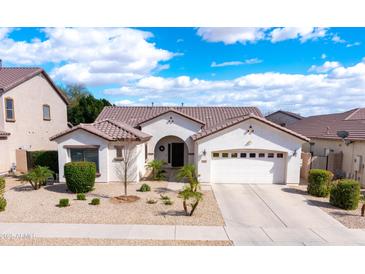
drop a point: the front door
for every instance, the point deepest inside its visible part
(177, 154)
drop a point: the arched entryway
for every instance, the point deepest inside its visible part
(173, 150)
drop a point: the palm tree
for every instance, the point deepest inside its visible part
(189, 172)
(362, 199)
(157, 171)
(38, 176)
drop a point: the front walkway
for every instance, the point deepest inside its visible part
(274, 215)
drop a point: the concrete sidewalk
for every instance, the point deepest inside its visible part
(238, 234)
(112, 231)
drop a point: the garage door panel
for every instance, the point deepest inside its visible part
(248, 170)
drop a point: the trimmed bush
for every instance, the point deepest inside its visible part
(144, 188)
(151, 201)
(95, 201)
(319, 182)
(81, 197)
(80, 176)
(63, 203)
(345, 194)
(2, 204)
(2, 186)
(48, 158)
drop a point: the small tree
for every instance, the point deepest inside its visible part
(157, 169)
(127, 161)
(38, 176)
(362, 199)
(2, 191)
(190, 194)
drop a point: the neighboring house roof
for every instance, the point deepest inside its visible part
(3, 133)
(327, 126)
(235, 121)
(10, 77)
(109, 130)
(209, 116)
(292, 114)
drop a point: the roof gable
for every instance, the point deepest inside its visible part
(291, 114)
(108, 130)
(176, 112)
(11, 77)
(233, 122)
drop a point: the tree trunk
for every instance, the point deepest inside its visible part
(125, 180)
(193, 208)
(363, 210)
(185, 208)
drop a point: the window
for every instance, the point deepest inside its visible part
(261, 155)
(85, 155)
(9, 110)
(234, 155)
(243, 155)
(279, 155)
(252, 155)
(46, 112)
(270, 155)
(215, 154)
(119, 153)
(225, 155)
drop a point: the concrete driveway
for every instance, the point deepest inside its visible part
(276, 215)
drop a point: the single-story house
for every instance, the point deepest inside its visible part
(227, 144)
(335, 133)
(283, 118)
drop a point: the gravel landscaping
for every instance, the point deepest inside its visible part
(349, 218)
(40, 206)
(106, 242)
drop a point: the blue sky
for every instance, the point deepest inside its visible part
(306, 70)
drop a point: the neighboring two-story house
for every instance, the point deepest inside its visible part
(32, 109)
(284, 118)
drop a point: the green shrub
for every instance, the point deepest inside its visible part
(151, 201)
(95, 201)
(38, 176)
(2, 204)
(81, 197)
(164, 197)
(80, 176)
(168, 202)
(158, 173)
(63, 203)
(48, 158)
(145, 188)
(319, 182)
(345, 194)
(2, 186)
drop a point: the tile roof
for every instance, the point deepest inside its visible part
(109, 130)
(295, 115)
(327, 126)
(210, 116)
(234, 121)
(10, 77)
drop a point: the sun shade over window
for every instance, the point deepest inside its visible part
(85, 155)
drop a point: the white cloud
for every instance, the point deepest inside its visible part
(303, 34)
(232, 35)
(337, 39)
(124, 102)
(339, 89)
(353, 44)
(4, 32)
(92, 56)
(326, 67)
(236, 63)
(323, 56)
(251, 35)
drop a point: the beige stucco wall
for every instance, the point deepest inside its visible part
(349, 152)
(30, 131)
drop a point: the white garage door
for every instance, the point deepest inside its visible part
(248, 167)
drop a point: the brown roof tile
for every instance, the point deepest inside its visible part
(238, 120)
(327, 126)
(210, 116)
(10, 77)
(109, 130)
